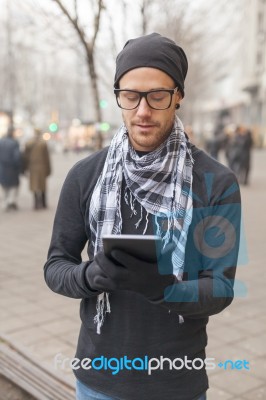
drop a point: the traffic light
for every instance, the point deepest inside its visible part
(53, 127)
(104, 127)
(103, 103)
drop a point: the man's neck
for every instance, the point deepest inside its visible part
(142, 153)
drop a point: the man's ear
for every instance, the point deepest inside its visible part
(179, 97)
(178, 100)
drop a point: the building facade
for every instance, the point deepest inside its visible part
(239, 82)
(254, 78)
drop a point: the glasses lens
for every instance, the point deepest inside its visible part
(128, 100)
(160, 100)
(157, 99)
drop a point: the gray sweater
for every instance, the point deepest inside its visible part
(137, 328)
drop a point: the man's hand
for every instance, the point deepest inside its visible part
(95, 276)
(126, 272)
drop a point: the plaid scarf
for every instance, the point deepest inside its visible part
(160, 181)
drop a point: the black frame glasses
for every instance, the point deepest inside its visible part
(147, 95)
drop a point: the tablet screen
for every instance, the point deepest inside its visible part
(144, 247)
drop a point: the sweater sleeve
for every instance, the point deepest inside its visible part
(211, 252)
(64, 270)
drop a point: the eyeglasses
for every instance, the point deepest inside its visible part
(157, 99)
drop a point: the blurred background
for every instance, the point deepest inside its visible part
(57, 63)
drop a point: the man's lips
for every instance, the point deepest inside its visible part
(145, 126)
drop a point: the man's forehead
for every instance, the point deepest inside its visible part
(146, 78)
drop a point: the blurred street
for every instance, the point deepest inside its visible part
(46, 324)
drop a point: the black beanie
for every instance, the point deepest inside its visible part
(153, 51)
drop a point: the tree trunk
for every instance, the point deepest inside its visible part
(94, 85)
(95, 98)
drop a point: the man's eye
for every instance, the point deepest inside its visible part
(128, 96)
(158, 96)
(131, 96)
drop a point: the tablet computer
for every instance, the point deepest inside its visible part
(144, 247)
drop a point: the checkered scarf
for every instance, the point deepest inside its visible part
(160, 181)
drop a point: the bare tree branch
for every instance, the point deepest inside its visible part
(144, 15)
(66, 43)
(97, 21)
(89, 46)
(76, 9)
(74, 22)
(124, 8)
(112, 35)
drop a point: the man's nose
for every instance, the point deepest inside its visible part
(143, 108)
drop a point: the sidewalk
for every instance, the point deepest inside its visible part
(14, 392)
(47, 324)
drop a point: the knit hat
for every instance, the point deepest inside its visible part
(154, 51)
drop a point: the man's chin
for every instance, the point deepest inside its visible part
(142, 142)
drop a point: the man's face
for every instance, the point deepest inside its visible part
(148, 128)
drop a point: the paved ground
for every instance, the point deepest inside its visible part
(47, 324)
(9, 391)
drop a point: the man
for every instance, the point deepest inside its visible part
(37, 162)
(142, 330)
(10, 168)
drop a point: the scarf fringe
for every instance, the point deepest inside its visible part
(102, 307)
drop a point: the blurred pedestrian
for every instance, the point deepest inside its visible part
(10, 169)
(245, 161)
(217, 142)
(238, 153)
(37, 163)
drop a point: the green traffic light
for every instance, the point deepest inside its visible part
(103, 103)
(104, 126)
(53, 127)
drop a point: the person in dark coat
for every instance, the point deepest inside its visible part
(10, 168)
(216, 144)
(37, 162)
(238, 153)
(246, 145)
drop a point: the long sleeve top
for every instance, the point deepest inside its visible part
(137, 328)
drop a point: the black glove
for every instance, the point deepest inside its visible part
(125, 272)
(95, 278)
